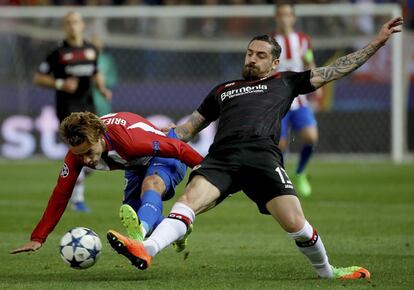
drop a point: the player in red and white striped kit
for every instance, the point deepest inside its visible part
(296, 56)
(152, 160)
(71, 69)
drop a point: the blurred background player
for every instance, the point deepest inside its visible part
(108, 70)
(153, 163)
(70, 69)
(296, 56)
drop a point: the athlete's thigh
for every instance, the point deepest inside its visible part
(200, 194)
(309, 135)
(302, 118)
(217, 173)
(287, 211)
(170, 170)
(265, 180)
(132, 189)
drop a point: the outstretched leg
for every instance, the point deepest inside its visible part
(286, 209)
(142, 219)
(199, 195)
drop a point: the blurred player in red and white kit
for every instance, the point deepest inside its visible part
(71, 69)
(296, 56)
(152, 160)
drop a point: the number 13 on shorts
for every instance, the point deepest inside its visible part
(284, 178)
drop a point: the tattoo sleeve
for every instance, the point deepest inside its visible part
(342, 66)
(189, 129)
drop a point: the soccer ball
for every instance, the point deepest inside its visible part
(80, 248)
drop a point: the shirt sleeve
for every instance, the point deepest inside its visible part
(47, 66)
(96, 63)
(210, 107)
(148, 143)
(59, 198)
(300, 82)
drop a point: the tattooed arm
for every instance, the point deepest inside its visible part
(350, 62)
(189, 129)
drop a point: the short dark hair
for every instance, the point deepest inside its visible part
(276, 49)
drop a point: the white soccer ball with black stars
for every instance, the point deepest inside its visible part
(80, 248)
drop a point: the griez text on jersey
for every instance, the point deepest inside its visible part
(116, 121)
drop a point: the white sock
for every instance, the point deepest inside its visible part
(170, 229)
(79, 189)
(144, 226)
(310, 244)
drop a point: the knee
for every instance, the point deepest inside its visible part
(311, 140)
(310, 136)
(282, 145)
(153, 182)
(293, 223)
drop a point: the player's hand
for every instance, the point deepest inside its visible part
(107, 94)
(167, 129)
(392, 26)
(70, 85)
(28, 247)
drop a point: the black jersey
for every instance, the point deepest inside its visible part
(67, 61)
(253, 108)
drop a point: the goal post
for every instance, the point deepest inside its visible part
(179, 43)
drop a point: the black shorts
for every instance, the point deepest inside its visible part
(254, 166)
(64, 111)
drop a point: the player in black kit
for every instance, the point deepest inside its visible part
(245, 156)
(70, 69)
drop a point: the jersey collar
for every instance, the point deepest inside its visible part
(109, 144)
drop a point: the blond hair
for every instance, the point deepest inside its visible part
(80, 127)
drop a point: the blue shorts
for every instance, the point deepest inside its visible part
(171, 171)
(297, 120)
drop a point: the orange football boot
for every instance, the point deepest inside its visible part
(131, 249)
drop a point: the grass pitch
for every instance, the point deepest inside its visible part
(363, 212)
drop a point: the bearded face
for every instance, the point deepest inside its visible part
(250, 72)
(258, 62)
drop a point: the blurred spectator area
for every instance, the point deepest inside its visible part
(167, 65)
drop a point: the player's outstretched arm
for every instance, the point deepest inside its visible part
(28, 247)
(189, 129)
(99, 81)
(350, 62)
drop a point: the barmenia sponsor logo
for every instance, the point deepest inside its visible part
(242, 91)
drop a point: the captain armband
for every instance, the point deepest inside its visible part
(309, 56)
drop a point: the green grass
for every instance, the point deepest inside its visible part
(364, 213)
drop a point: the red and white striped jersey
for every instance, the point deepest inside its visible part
(294, 47)
(132, 141)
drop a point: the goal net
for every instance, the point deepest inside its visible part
(164, 61)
